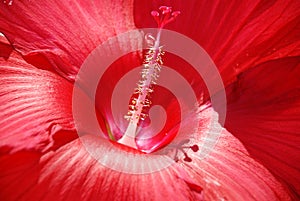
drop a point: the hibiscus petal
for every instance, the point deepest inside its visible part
(83, 178)
(35, 106)
(237, 35)
(229, 172)
(264, 114)
(60, 34)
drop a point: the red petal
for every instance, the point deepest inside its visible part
(70, 173)
(229, 172)
(61, 33)
(35, 107)
(237, 35)
(264, 114)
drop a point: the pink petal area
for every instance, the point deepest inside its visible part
(70, 173)
(58, 35)
(35, 107)
(237, 35)
(229, 172)
(264, 114)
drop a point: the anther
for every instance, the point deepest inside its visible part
(187, 158)
(195, 148)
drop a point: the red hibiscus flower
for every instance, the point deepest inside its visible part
(255, 46)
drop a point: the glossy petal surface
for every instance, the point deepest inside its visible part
(264, 114)
(58, 35)
(35, 106)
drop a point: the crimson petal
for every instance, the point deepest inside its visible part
(264, 114)
(229, 172)
(83, 178)
(35, 106)
(59, 35)
(237, 35)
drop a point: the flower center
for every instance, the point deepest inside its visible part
(140, 103)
